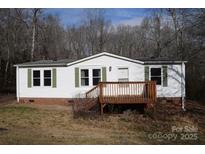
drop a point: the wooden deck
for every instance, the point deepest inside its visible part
(124, 93)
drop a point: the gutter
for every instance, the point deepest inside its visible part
(40, 65)
(163, 62)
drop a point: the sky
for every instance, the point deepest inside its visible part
(69, 17)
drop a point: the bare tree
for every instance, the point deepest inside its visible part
(97, 29)
(35, 13)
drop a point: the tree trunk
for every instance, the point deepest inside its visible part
(0, 63)
(33, 41)
(6, 67)
(175, 23)
(35, 12)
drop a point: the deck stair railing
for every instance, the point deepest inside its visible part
(90, 101)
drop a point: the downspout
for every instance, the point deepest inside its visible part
(17, 83)
(182, 86)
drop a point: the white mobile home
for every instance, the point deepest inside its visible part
(67, 79)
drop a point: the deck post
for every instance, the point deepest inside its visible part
(155, 92)
(101, 99)
(101, 108)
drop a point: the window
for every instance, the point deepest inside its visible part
(84, 77)
(36, 78)
(123, 74)
(156, 75)
(96, 76)
(47, 77)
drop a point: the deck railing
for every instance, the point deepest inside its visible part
(85, 104)
(124, 92)
(127, 92)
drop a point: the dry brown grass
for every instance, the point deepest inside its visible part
(54, 124)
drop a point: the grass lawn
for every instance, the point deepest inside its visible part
(54, 124)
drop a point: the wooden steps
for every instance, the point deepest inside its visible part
(85, 105)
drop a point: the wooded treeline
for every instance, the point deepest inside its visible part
(32, 34)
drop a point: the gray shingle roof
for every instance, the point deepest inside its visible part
(64, 62)
(160, 60)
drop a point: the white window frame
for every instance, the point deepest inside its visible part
(84, 77)
(98, 76)
(150, 76)
(90, 73)
(35, 77)
(47, 77)
(118, 68)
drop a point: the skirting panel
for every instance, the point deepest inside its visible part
(49, 101)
